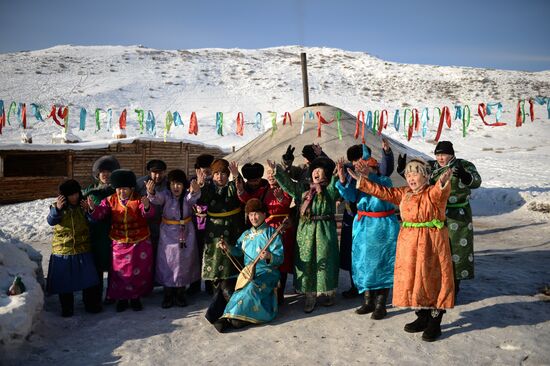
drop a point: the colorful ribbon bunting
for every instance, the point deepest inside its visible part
(83, 114)
(482, 112)
(258, 121)
(520, 113)
(360, 121)
(35, 110)
(12, 108)
(168, 121)
(150, 123)
(383, 124)
(273, 122)
(219, 123)
(122, 120)
(109, 119)
(285, 116)
(531, 109)
(458, 112)
(140, 118)
(396, 120)
(177, 119)
(2, 116)
(98, 119)
(321, 121)
(424, 119)
(465, 120)
(444, 118)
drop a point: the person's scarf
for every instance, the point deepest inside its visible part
(314, 188)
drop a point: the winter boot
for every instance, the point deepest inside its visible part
(121, 305)
(433, 330)
(330, 299)
(309, 305)
(194, 288)
(351, 293)
(380, 304)
(168, 299)
(421, 322)
(67, 304)
(136, 304)
(368, 306)
(181, 301)
(238, 324)
(221, 325)
(92, 299)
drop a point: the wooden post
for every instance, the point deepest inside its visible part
(305, 85)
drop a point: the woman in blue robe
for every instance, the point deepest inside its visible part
(256, 302)
(374, 232)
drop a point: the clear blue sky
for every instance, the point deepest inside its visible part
(509, 34)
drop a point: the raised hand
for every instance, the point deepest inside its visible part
(91, 204)
(194, 186)
(289, 154)
(201, 177)
(386, 145)
(362, 168)
(84, 205)
(401, 163)
(317, 149)
(461, 173)
(340, 170)
(150, 186)
(271, 164)
(444, 177)
(60, 202)
(234, 169)
(239, 183)
(353, 174)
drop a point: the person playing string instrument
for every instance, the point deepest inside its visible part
(256, 302)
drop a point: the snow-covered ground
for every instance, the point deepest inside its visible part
(499, 318)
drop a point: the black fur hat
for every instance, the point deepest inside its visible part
(69, 187)
(252, 171)
(324, 163)
(155, 165)
(106, 162)
(123, 178)
(444, 147)
(177, 175)
(309, 153)
(204, 161)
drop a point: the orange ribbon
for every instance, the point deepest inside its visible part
(193, 124)
(444, 118)
(240, 124)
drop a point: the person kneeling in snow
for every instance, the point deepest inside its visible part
(423, 274)
(256, 302)
(71, 265)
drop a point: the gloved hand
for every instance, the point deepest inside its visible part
(461, 173)
(288, 157)
(401, 164)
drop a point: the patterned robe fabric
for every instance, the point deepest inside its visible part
(220, 200)
(316, 257)
(459, 218)
(176, 266)
(374, 238)
(423, 273)
(131, 273)
(256, 302)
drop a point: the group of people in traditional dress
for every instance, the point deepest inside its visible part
(173, 231)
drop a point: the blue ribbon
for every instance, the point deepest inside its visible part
(258, 121)
(83, 119)
(368, 120)
(458, 112)
(542, 100)
(19, 111)
(150, 123)
(499, 109)
(424, 118)
(177, 119)
(396, 120)
(35, 110)
(366, 153)
(219, 123)
(2, 112)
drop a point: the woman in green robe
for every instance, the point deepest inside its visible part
(316, 261)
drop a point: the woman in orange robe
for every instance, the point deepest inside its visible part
(423, 275)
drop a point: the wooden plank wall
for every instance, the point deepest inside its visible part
(133, 156)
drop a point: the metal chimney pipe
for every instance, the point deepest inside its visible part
(305, 86)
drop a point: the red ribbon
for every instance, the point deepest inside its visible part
(519, 116)
(289, 118)
(361, 214)
(360, 118)
(193, 124)
(321, 120)
(482, 112)
(2, 119)
(240, 123)
(532, 109)
(122, 120)
(444, 118)
(24, 116)
(59, 113)
(382, 125)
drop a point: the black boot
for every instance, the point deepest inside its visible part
(421, 322)
(368, 306)
(67, 304)
(433, 330)
(121, 305)
(136, 304)
(380, 304)
(168, 299)
(92, 299)
(181, 301)
(194, 288)
(221, 325)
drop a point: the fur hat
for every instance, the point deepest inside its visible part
(106, 162)
(155, 165)
(121, 178)
(324, 163)
(417, 166)
(252, 171)
(177, 175)
(204, 161)
(309, 153)
(444, 147)
(254, 205)
(69, 187)
(220, 165)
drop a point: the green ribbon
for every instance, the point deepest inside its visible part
(430, 224)
(405, 124)
(140, 118)
(338, 117)
(97, 119)
(168, 121)
(522, 104)
(458, 205)
(219, 123)
(273, 122)
(465, 120)
(13, 107)
(376, 122)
